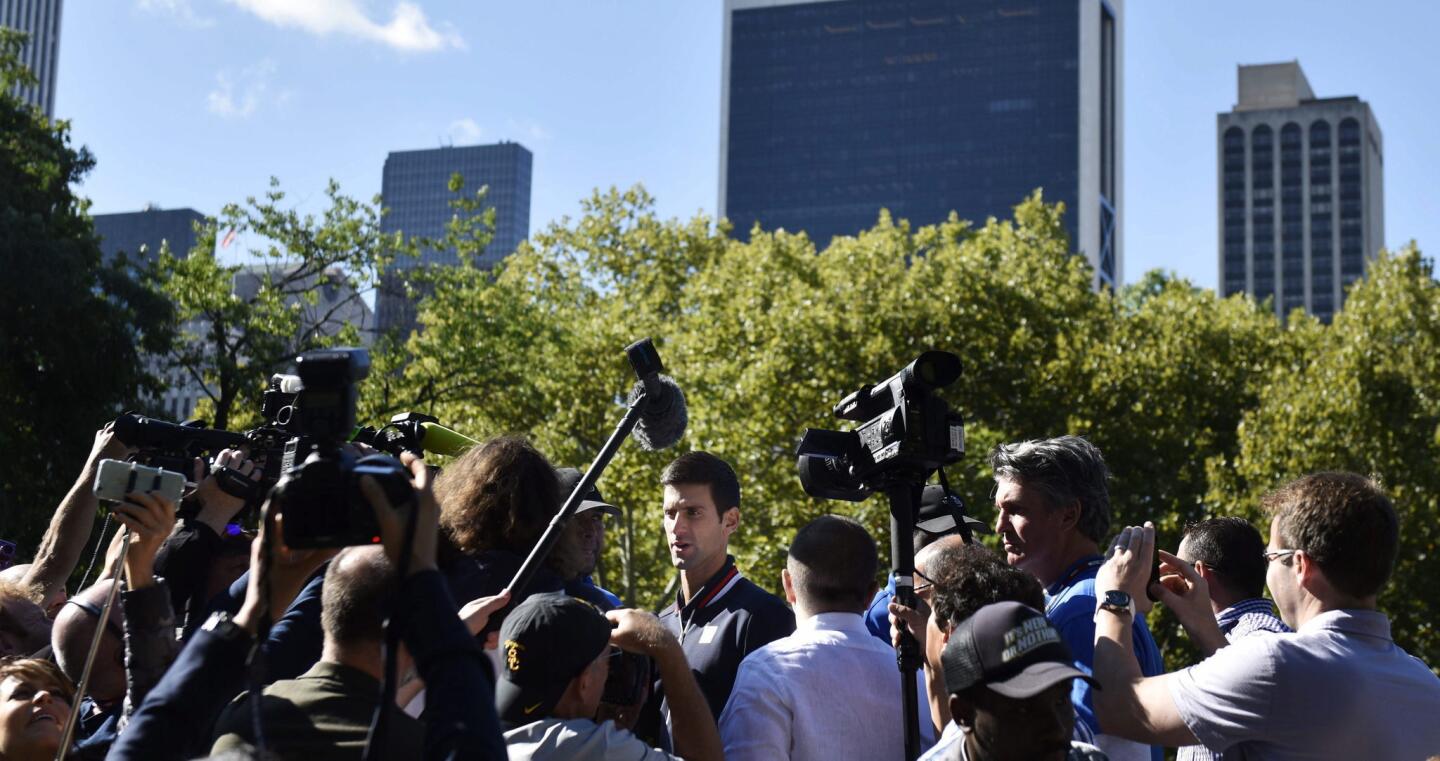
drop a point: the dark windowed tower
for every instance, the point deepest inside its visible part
(1301, 204)
(416, 195)
(41, 20)
(129, 232)
(836, 109)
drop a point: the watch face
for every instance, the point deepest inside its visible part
(1116, 597)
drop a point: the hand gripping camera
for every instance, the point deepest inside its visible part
(319, 490)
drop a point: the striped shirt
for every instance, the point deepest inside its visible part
(1243, 619)
(1253, 616)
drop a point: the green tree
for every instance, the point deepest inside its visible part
(765, 336)
(1364, 397)
(71, 327)
(243, 321)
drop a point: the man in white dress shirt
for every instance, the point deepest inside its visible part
(813, 694)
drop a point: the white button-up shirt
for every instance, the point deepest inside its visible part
(826, 692)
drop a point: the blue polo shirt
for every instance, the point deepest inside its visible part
(877, 617)
(1070, 605)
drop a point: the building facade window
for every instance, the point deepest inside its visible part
(1262, 209)
(1233, 167)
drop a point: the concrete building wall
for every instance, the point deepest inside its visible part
(1300, 192)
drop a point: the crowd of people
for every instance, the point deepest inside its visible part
(202, 639)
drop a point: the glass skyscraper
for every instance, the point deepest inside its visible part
(129, 231)
(1301, 183)
(416, 194)
(833, 110)
(41, 20)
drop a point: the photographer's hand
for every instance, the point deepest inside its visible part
(392, 519)
(69, 530)
(1186, 594)
(150, 518)
(477, 612)
(287, 572)
(914, 619)
(1127, 567)
(217, 507)
(695, 734)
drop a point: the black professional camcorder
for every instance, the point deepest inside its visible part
(905, 434)
(319, 489)
(172, 446)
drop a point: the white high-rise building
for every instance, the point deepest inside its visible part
(41, 20)
(1301, 191)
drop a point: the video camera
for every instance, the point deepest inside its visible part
(319, 489)
(905, 434)
(172, 446)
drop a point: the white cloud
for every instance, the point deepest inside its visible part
(465, 131)
(238, 95)
(528, 130)
(180, 10)
(407, 30)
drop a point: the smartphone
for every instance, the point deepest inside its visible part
(117, 478)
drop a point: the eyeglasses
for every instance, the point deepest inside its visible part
(1272, 555)
(921, 589)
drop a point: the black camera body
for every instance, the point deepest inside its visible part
(905, 434)
(404, 433)
(172, 446)
(319, 490)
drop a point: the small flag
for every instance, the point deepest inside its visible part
(228, 239)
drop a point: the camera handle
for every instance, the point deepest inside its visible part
(904, 504)
(542, 548)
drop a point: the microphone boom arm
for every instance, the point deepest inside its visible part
(542, 548)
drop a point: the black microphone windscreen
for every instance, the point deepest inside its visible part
(663, 417)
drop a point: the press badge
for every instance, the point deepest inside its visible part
(707, 635)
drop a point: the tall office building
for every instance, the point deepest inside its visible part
(415, 191)
(834, 109)
(129, 231)
(1301, 191)
(41, 20)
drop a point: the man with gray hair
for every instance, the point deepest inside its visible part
(1052, 511)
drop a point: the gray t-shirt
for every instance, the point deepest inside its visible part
(554, 739)
(1338, 688)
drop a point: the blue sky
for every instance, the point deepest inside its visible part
(198, 102)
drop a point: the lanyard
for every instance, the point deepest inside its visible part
(1080, 567)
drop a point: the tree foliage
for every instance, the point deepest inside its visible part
(71, 328)
(1200, 403)
(243, 321)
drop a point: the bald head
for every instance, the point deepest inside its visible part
(926, 556)
(74, 630)
(356, 597)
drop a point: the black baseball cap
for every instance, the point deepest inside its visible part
(544, 644)
(1010, 648)
(937, 513)
(569, 478)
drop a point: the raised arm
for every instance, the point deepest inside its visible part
(1128, 703)
(460, 720)
(69, 530)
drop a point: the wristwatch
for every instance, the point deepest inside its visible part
(1118, 602)
(224, 627)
